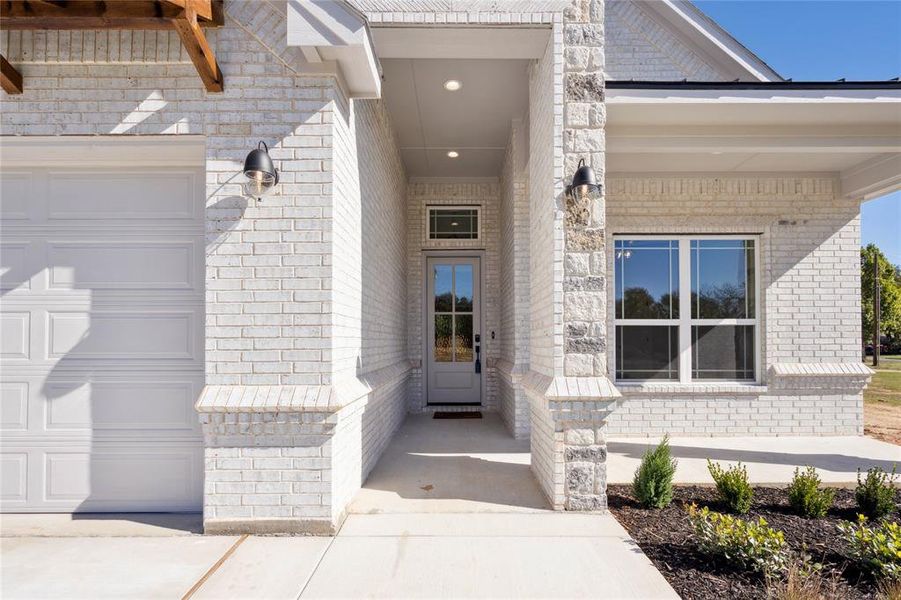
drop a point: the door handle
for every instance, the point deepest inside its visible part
(478, 359)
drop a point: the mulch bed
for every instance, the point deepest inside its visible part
(666, 537)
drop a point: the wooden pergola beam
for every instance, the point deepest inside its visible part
(187, 17)
(195, 43)
(105, 14)
(10, 78)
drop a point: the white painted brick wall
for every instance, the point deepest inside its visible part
(638, 47)
(810, 283)
(546, 218)
(514, 287)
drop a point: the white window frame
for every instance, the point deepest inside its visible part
(428, 219)
(685, 320)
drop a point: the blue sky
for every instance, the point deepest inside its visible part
(823, 40)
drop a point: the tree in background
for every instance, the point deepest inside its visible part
(890, 280)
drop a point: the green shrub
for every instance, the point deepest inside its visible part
(653, 481)
(875, 494)
(876, 548)
(732, 486)
(805, 495)
(751, 545)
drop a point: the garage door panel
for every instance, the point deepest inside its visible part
(15, 272)
(15, 191)
(15, 335)
(122, 335)
(121, 405)
(14, 477)
(14, 405)
(127, 195)
(125, 476)
(122, 265)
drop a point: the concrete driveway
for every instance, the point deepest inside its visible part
(488, 555)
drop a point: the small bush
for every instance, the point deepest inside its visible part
(876, 548)
(732, 486)
(751, 545)
(653, 481)
(875, 494)
(805, 495)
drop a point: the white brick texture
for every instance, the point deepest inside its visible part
(809, 240)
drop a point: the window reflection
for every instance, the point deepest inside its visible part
(463, 287)
(722, 279)
(647, 279)
(444, 295)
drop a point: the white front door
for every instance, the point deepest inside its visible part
(453, 340)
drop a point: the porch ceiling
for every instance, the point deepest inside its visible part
(853, 133)
(474, 121)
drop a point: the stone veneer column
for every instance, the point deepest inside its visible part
(580, 401)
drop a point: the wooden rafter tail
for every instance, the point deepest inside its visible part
(196, 44)
(11, 78)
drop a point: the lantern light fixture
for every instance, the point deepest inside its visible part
(584, 184)
(260, 172)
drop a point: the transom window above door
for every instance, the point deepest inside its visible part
(453, 222)
(686, 308)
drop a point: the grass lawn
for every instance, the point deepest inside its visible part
(882, 401)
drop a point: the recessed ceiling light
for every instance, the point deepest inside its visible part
(453, 154)
(454, 224)
(452, 85)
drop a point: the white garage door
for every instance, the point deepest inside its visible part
(101, 321)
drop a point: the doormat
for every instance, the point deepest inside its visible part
(446, 414)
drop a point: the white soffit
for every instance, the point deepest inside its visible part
(853, 133)
(332, 34)
(475, 121)
(713, 42)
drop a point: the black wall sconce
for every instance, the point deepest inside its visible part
(260, 172)
(584, 184)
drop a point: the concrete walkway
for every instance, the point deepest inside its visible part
(451, 511)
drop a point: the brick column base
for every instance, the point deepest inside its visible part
(269, 472)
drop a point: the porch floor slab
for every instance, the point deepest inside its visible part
(451, 466)
(770, 460)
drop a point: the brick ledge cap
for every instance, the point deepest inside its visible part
(844, 369)
(296, 398)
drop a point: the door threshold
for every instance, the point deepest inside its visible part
(453, 405)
